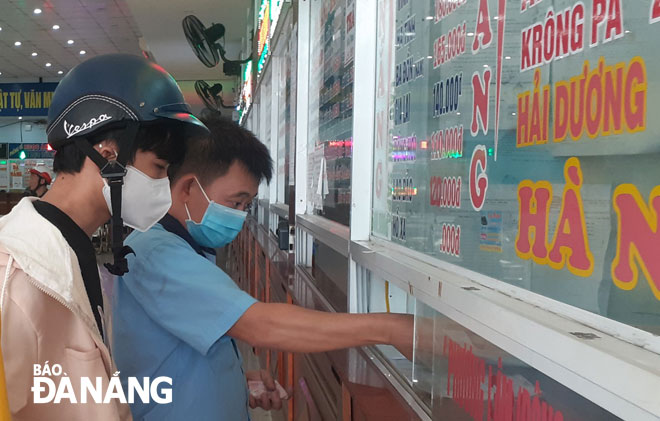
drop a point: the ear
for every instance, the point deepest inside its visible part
(107, 149)
(183, 187)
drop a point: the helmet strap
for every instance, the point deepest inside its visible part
(114, 172)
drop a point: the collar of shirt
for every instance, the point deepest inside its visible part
(171, 224)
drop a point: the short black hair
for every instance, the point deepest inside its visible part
(160, 137)
(211, 157)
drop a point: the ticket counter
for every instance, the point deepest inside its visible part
(488, 166)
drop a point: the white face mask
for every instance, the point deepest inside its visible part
(144, 200)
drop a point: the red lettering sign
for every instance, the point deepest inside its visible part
(501, 10)
(467, 375)
(533, 123)
(478, 178)
(638, 238)
(444, 8)
(446, 192)
(554, 38)
(451, 240)
(480, 102)
(534, 200)
(528, 3)
(483, 34)
(562, 108)
(607, 14)
(655, 11)
(602, 101)
(450, 45)
(570, 244)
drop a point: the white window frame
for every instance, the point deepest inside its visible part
(619, 370)
(279, 44)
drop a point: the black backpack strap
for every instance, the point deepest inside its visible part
(114, 172)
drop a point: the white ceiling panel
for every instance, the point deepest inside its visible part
(96, 26)
(167, 43)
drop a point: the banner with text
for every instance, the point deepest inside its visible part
(25, 99)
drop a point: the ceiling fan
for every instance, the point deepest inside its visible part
(210, 95)
(204, 42)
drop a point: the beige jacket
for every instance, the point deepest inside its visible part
(47, 317)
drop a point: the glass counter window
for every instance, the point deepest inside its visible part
(463, 377)
(265, 116)
(330, 275)
(330, 147)
(458, 375)
(517, 139)
(287, 62)
(382, 296)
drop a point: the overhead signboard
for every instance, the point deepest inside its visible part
(263, 35)
(269, 14)
(246, 91)
(30, 151)
(25, 99)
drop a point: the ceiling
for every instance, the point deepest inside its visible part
(164, 35)
(112, 26)
(95, 26)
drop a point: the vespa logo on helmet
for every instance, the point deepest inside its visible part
(74, 129)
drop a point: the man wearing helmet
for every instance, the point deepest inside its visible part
(40, 179)
(116, 122)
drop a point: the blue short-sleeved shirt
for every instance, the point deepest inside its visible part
(171, 313)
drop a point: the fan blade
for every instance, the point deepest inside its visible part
(202, 46)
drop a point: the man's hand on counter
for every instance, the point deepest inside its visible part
(292, 328)
(402, 334)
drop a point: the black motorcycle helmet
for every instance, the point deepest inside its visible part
(116, 92)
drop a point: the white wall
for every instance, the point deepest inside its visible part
(10, 132)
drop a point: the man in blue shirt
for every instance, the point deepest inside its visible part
(176, 314)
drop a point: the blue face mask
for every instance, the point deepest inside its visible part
(219, 226)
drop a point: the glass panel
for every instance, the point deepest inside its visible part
(385, 297)
(517, 143)
(256, 118)
(282, 163)
(423, 354)
(287, 62)
(464, 377)
(265, 117)
(330, 144)
(330, 274)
